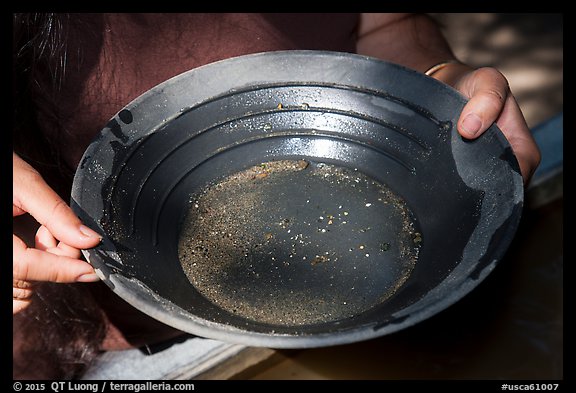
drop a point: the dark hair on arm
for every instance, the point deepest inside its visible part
(38, 62)
(40, 41)
(48, 48)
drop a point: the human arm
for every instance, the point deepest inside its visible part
(415, 41)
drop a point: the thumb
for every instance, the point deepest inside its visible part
(487, 89)
(31, 194)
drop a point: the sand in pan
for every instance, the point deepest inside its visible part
(294, 242)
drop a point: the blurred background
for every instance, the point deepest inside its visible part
(511, 326)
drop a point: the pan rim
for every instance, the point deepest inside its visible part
(182, 320)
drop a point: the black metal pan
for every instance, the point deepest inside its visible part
(296, 199)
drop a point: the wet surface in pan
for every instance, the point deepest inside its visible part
(295, 242)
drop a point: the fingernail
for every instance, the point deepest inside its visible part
(471, 124)
(89, 232)
(88, 277)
